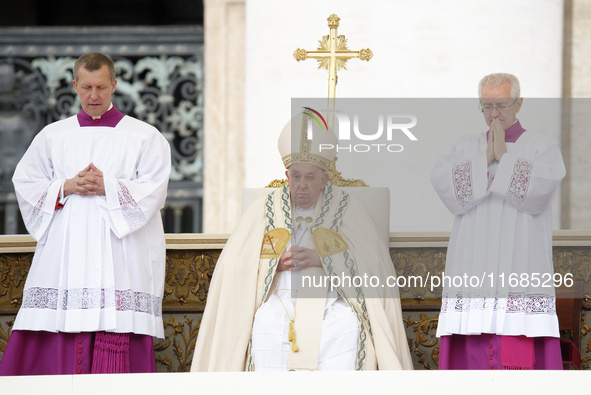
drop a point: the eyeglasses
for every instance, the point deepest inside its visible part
(488, 108)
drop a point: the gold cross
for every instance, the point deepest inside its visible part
(332, 54)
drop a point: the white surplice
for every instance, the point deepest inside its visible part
(100, 260)
(502, 225)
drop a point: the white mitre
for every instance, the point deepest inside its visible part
(307, 139)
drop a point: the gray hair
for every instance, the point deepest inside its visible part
(497, 79)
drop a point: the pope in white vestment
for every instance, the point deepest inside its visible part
(499, 185)
(90, 189)
(260, 315)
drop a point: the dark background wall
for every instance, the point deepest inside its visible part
(101, 13)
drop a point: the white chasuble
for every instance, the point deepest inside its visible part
(501, 237)
(245, 278)
(100, 260)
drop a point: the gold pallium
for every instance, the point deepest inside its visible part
(328, 242)
(274, 242)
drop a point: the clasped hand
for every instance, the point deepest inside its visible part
(298, 258)
(496, 146)
(88, 182)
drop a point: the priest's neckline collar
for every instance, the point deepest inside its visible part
(110, 118)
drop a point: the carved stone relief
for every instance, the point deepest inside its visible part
(188, 275)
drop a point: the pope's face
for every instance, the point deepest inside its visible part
(305, 184)
(497, 103)
(95, 89)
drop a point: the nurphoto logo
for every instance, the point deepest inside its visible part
(353, 138)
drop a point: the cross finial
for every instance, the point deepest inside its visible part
(332, 54)
(333, 21)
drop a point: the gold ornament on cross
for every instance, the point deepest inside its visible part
(332, 54)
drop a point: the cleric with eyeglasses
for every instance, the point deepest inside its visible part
(499, 186)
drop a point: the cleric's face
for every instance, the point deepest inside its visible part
(95, 89)
(497, 103)
(305, 183)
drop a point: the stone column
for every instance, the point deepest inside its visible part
(224, 73)
(576, 142)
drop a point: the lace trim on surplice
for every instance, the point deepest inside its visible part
(37, 217)
(91, 298)
(132, 213)
(514, 303)
(462, 179)
(519, 184)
